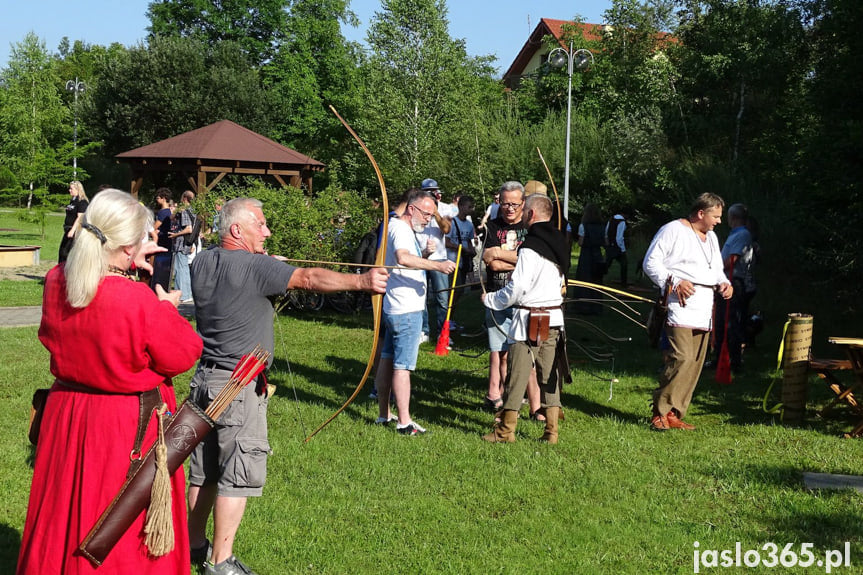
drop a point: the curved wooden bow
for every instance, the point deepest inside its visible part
(553, 187)
(380, 259)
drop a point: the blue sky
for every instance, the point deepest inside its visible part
(498, 27)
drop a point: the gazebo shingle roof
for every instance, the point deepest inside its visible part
(225, 141)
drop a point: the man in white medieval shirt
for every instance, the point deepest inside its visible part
(535, 292)
(686, 253)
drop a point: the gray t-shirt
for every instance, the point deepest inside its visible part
(233, 305)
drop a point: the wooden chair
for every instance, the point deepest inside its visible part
(853, 348)
(825, 369)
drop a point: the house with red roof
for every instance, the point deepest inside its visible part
(535, 51)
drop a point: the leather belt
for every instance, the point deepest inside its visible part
(543, 308)
(147, 402)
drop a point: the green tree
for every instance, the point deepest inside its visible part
(742, 67)
(149, 93)
(34, 123)
(423, 96)
(255, 25)
(314, 67)
(832, 158)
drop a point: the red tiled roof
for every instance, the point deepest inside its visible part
(223, 140)
(546, 27)
(554, 28)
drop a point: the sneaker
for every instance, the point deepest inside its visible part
(200, 555)
(190, 300)
(230, 566)
(424, 338)
(386, 421)
(449, 345)
(411, 429)
(373, 394)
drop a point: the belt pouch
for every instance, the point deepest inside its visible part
(40, 397)
(537, 326)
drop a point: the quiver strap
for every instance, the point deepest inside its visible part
(185, 431)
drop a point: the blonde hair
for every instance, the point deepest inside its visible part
(79, 189)
(113, 220)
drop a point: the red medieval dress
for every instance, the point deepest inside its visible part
(125, 341)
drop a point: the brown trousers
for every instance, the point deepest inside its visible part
(682, 369)
(521, 358)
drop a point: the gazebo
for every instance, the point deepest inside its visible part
(217, 150)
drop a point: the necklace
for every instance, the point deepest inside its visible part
(125, 273)
(707, 257)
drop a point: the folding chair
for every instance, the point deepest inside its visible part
(853, 348)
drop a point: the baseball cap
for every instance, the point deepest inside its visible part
(429, 184)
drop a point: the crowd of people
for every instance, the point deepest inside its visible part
(130, 340)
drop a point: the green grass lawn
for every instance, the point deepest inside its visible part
(21, 293)
(19, 233)
(612, 497)
(26, 286)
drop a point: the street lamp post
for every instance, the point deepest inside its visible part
(580, 59)
(75, 86)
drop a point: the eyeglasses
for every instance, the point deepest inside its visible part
(425, 214)
(511, 205)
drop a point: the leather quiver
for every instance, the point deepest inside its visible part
(185, 431)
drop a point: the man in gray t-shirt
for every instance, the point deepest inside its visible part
(233, 285)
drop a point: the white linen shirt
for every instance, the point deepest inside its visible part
(677, 251)
(535, 282)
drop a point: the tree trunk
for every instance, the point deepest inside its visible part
(738, 121)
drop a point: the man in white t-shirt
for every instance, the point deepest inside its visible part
(686, 253)
(404, 303)
(432, 240)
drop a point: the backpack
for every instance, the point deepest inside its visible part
(366, 251)
(192, 239)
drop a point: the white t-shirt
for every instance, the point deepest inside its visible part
(677, 251)
(433, 231)
(406, 288)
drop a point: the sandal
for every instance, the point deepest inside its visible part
(538, 415)
(493, 404)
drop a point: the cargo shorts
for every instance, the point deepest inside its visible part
(233, 455)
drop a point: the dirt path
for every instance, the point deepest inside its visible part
(24, 273)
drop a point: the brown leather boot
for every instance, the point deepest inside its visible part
(675, 422)
(504, 430)
(551, 416)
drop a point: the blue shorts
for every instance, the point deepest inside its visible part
(497, 337)
(402, 339)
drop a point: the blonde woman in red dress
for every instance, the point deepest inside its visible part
(110, 338)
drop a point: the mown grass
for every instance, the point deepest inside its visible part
(21, 293)
(612, 497)
(26, 234)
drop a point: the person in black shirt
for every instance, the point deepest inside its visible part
(74, 212)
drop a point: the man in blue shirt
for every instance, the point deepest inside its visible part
(738, 258)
